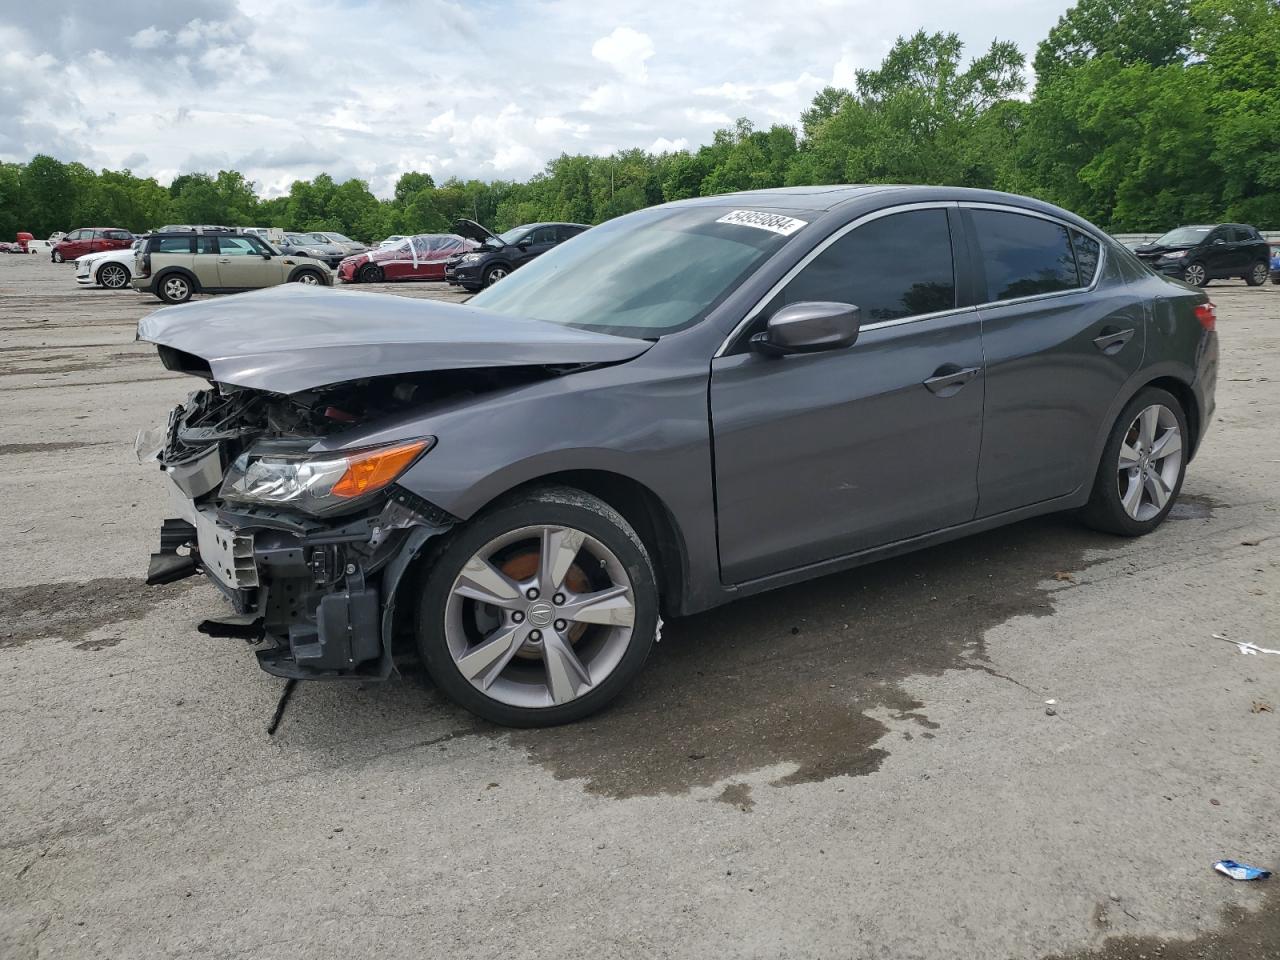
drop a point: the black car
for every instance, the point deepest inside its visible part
(500, 253)
(1198, 254)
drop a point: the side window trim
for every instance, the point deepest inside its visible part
(731, 341)
(1023, 211)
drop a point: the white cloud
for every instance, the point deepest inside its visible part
(625, 50)
(663, 145)
(149, 38)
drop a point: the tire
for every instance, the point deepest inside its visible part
(495, 273)
(370, 273)
(521, 685)
(1258, 275)
(56, 256)
(1111, 506)
(471, 288)
(174, 288)
(310, 278)
(114, 276)
(1195, 274)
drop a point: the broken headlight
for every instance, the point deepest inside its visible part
(318, 483)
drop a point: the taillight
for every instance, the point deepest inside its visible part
(1207, 314)
(146, 265)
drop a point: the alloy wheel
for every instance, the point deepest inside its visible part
(310, 279)
(1150, 462)
(539, 616)
(113, 276)
(496, 274)
(175, 288)
(1260, 272)
(1194, 275)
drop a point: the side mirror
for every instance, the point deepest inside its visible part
(265, 255)
(809, 328)
(523, 244)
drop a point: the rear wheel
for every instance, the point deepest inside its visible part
(1258, 275)
(1195, 274)
(1143, 465)
(114, 276)
(539, 612)
(174, 288)
(370, 273)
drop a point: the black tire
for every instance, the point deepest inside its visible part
(1196, 274)
(561, 506)
(370, 273)
(114, 276)
(1258, 275)
(309, 277)
(494, 273)
(174, 288)
(1105, 511)
(471, 288)
(56, 256)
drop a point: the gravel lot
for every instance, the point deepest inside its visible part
(860, 766)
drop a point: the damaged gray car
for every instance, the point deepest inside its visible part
(686, 405)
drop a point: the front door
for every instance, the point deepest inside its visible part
(537, 242)
(822, 455)
(1057, 354)
(241, 264)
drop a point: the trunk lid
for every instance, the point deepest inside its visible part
(292, 338)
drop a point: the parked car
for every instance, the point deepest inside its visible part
(173, 266)
(1200, 253)
(391, 241)
(23, 238)
(112, 269)
(1275, 263)
(313, 246)
(7, 246)
(90, 240)
(414, 258)
(348, 245)
(689, 404)
(499, 254)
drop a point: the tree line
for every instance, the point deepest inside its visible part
(1144, 114)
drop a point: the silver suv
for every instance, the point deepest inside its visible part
(176, 265)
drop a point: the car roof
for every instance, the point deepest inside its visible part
(551, 223)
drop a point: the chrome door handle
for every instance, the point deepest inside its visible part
(1113, 339)
(949, 379)
(224, 259)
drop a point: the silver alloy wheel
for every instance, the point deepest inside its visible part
(1150, 462)
(310, 279)
(1194, 274)
(523, 635)
(1260, 272)
(57, 257)
(175, 288)
(113, 276)
(496, 274)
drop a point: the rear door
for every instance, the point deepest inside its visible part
(1061, 334)
(821, 455)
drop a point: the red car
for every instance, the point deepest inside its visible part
(413, 258)
(90, 240)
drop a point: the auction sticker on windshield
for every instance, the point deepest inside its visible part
(773, 222)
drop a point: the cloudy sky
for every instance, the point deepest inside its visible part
(286, 89)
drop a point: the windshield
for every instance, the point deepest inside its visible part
(1184, 236)
(642, 275)
(339, 238)
(318, 238)
(298, 240)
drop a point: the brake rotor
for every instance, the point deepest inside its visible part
(524, 566)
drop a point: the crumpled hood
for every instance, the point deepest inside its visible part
(292, 337)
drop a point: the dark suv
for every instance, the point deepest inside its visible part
(500, 253)
(1198, 254)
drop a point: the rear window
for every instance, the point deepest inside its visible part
(1023, 256)
(117, 235)
(1088, 252)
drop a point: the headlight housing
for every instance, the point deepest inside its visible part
(470, 257)
(319, 483)
(1175, 255)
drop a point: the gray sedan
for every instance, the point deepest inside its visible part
(686, 405)
(313, 245)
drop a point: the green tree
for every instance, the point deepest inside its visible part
(1155, 32)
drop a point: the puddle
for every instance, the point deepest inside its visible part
(73, 610)
(1195, 506)
(789, 677)
(1241, 935)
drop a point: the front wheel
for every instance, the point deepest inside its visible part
(370, 273)
(540, 611)
(114, 276)
(1143, 465)
(308, 278)
(1258, 275)
(1195, 274)
(56, 256)
(494, 274)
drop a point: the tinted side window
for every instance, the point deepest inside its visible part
(564, 233)
(1023, 256)
(1087, 253)
(896, 266)
(235, 247)
(172, 245)
(543, 235)
(118, 235)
